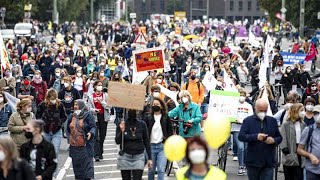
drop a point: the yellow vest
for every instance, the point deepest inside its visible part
(213, 174)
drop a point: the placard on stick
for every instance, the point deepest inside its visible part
(126, 95)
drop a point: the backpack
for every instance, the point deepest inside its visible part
(282, 116)
(309, 139)
(198, 84)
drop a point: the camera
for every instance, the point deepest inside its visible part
(186, 127)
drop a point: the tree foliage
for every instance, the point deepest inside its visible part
(293, 11)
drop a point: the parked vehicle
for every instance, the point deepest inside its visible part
(23, 29)
(8, 34)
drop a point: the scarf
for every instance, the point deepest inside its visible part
(37, 80)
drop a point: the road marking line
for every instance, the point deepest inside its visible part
(110, 144)
(121, 178)
(106, 165)
(62, 171)
(111, 149)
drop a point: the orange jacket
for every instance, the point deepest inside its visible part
(197, 94)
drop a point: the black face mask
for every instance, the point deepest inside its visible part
(28, 135)
(193, 77)
(156, 108)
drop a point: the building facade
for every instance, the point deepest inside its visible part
(230, 10)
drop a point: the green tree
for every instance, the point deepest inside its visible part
(174, 5)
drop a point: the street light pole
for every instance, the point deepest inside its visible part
(55, 12)
(91, 10)
(301, 29)
(208, 4)
(190, 10)
(283, 9)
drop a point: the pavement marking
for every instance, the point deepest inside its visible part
(110, 144)
(109, 154)
(63, 170)
(105, 165)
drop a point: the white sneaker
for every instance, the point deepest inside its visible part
(235, 158)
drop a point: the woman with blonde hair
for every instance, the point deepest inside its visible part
(11, 166)
(18, 121)
(53, 113)
(291, 132)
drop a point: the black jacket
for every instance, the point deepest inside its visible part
(166, 125)
(20, 171)
(53, 116)
(303, 79)
(46, 162)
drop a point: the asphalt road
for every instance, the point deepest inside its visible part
(106, 169)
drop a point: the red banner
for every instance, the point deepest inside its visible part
(312, 53)
(149, 59)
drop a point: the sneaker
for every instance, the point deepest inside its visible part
(96, 159)
(240, 171)
(235, 158)
(244, 170)
(100, 157)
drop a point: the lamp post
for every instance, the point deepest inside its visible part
(3, 14)
(301, 28)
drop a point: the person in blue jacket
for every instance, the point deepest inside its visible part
(262, 134)
(190, 113)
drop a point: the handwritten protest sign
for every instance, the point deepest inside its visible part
(224, 103)
(149, 59)
(126, 95)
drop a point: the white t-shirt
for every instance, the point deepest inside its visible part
(298, 131)
(156, 132)
(78, 83)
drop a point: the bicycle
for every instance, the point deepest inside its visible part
(222, 156)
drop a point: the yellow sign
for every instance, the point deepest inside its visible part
(179, 15)
(27, 7)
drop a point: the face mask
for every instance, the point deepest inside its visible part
(197, 156)
(29, 109)
(195, 64)
(28, 135)
(101, 74)
(99, 88)
(58, 74)
(219, 83)
(156, 108)
(119, 64)
(66, 85)
(32, 65)
(185, 99)
(242, 99)
(206, 69)
(232, 65)
(302, 114)
(159, 81)
(156, 94)
(1, 100)
(53, 101)
(26, 82)
(309, 107)
(314, 88)
(79, 74)
(261, 115)
(2, 156)
(67, 63)
(102, 64)
(288, 71)
(81, 55)
(193, 77)
(77, 112)
(37, 76)
(91, 63)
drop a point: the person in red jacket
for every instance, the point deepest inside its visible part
(40, 86)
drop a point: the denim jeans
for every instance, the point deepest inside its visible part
(204, 108)
(54, 139)
(241, 149)
(159, 161)
(257, 173)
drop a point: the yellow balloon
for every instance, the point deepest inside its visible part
(215, 53)
(216, 131)
(60, 40)
(175, 148)
(214, 39)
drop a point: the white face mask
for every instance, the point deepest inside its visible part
(156, 94)
(119, 64)
(197, 156)
(58, 74)
(101, 74)
(79, 74)
(242, 99)
(159, 81)
(206, 69)
(102, 63)
(29, 109)
(219, 83)
(66, 85)
(99, 88)
(1, 100)
(185, 99)
(261, 115)
(53, 101)
(2, 156)
(314, 88)
(77, 112)
(302, 114)
(309, 107)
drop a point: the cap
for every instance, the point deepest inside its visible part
(316, 108)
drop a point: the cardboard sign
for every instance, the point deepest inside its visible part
(224, 104)
(149, 59)
(126, 95)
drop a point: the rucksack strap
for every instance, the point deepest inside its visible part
(309, 139)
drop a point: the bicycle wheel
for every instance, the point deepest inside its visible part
(223, 153)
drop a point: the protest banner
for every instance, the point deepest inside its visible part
(290, 58)
(126, 95)
(224, 103)
(148, 59)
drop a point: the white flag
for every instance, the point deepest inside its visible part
(262, 75)
(209, 81)
(172, 95)
(267, 49)
(265, 97)
(229, 83)
(12, 101)
(252, 40)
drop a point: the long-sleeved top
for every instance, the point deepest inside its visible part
(68, 97)
(260, 154)
(244, 110)
(53, 116)
(136, 138)
(193, 114)
(303, 79)
(45, 162)
(47, 61)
